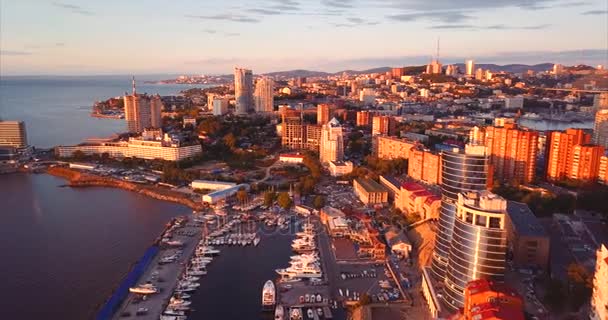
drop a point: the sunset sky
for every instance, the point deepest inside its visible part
(212, 36)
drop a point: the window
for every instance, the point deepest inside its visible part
(494, 222)
(481, 220)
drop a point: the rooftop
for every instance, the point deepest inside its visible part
(412, 186)
(524, 220)
(370, 185)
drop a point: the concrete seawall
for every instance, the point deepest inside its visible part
(80, 179)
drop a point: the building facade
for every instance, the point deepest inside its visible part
(424, 165)
(331, 147)
(600, 128)
(142, 111)
(370, 192)
(461, 170)
(383, 125)
(488, 300)
(585, 162)
(13, 134)
(560, 146)
(479, 244)
(602, 175)
(389, 148)
(599, 299)
(297, 135)
(364, 118)
(527, 239)
(243, 90)
(323, 113)
(264, 95)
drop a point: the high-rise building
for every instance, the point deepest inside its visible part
(332, 142)
(434, 67)
(478, 248)
(602, 176)
(243, 90)
(461, 171)
(364, 118)
(397, 73)
(142, 111)
(384, 125)
(451, 70)
(585, 163)
(264, 95)
(558, 69)
(323, 113)
(13, 134)
(470, 67)
(220, 106)
(389, 148)
(560, 147)
(512, 151)
(298, 135)
(600, 129)
(599, 298)
(424, 165)
(480, 74)
(489, 300)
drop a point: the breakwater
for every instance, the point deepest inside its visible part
(80, 179)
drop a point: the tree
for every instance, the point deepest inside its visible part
(318, 202)
(284, 200)
(269, 197)
(580, 285)
(230, 140)
(241, 195)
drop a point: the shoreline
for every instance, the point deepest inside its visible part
(81, 180)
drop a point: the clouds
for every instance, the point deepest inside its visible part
(73, 8)
(14, 53)
(470, 27)
(226, 34)
(225, 17)
(441, 16)
(595, 12)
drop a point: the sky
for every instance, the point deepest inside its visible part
(86, 37)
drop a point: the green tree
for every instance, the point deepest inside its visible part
(318, 202)
(284, 200)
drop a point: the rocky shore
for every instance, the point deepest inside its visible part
(80, 179)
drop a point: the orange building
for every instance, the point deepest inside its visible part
(602, 176)
(397, 73)
(424, 165)
(364, 118)
(560, 146)
(323, 113)
(585, 162)
(512, 151)
(383, 125)
(389, 148)
(487, 300)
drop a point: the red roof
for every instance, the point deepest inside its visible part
(432, 199)
(495, 311)
(291, 155)
(412, 186)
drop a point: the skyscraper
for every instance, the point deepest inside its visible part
(560, 151)
(585, 162)
(512, 151)
(600, 129)
(243, 90)
(383, 125)
(13, 134)
(332, 142)
(264, 95)
(323, 113)
(470, 67)
(599, 299)
(478, 248)
(461, 171)
(142, 111)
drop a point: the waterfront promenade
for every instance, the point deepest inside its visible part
(164, 277)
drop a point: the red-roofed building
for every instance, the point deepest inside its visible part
(412, 199)
(291, 158)
(488, 300)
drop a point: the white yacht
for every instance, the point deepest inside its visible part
(147, 288)
(256, 241)
(295, 314)
(279, 312)
(268, 295)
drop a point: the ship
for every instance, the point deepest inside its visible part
(268, 296)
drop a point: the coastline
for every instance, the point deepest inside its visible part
(80, 179)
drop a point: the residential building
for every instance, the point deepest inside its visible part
(243, 90)
(490, 300)
(560, 147)
(397, 73)
(434, 67)
(370, 192)
(220, 106)
(600, 129)
(367, 96)
(291, 158)
(527, 239)
(364, 118)
(331, 147)
(264, 95)
(461, 171)
(514, 102)
(602, 176)
(340, 168)
(136, 147)
(470, 67)
(599, 298)
(384, 125)
(389, 148)
(478, 247)
(415, 199)
(512, 151)
(323, 113)
(398, 242)
(142, 111)
(424, 165)
(585, 162)
(13, 134)
(298, 135)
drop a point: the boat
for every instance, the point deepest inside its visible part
(173, 312)
(174, 243)
(256, 241)
(147, 288)
(320, 312)
(279, 312)
(178, 302)
(310, 314)
(319, 298)
(295, 314)
(268, 295)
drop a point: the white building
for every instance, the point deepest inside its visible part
(264, 95)
(599, 299)
(243, 90)
(332, 142)
(220, 106)
(340, 168)
(367, 96)
(470, 67)
(219, 195)
(211, 185)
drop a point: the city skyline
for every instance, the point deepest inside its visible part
(82, 37)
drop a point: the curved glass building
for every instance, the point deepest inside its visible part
(479, 243)
(462, 170)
